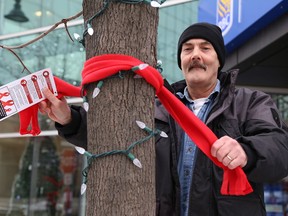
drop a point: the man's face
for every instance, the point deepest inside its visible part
(199, 62)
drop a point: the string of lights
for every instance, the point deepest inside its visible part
(126, 152)
(88, 24)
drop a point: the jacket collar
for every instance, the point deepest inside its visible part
(227, 78)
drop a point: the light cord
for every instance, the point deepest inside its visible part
(88, 24)
(127, 152)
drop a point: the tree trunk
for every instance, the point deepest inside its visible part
(115, 185)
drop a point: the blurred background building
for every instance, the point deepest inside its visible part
(42, 175)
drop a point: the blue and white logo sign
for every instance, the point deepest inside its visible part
(239, 20)
(224, 15)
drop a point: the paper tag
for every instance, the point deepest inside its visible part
(25, 92)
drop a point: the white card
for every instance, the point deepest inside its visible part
(25, 92)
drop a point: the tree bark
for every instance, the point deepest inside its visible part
(115, 185)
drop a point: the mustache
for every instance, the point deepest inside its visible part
(197, 64)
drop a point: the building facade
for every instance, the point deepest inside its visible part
(42, 175)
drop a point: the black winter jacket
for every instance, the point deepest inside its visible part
(248, 116)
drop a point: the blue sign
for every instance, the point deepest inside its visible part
(240, 19)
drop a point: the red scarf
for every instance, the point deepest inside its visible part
(100, 67)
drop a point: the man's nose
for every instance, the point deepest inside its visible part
(195, 55)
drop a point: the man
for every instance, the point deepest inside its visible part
(247, 123)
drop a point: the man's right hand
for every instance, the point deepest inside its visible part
(56, 109)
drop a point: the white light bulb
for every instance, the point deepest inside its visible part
(139, 67)
(80, 149)
(137, 163)
(83, 188)
(155, 4)
(143, 66)
(90, 31)
(96, 92)
(76, 36)
(141, 124)
(86, 106)
(163, 134)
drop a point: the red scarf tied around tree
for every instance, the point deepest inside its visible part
(100, 67)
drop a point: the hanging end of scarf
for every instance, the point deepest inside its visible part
(235, 182)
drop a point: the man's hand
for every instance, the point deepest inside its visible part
(56, 109)
(229, 152)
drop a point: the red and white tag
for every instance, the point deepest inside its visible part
(25, 92)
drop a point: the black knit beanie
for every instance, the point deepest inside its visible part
(207, 31)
